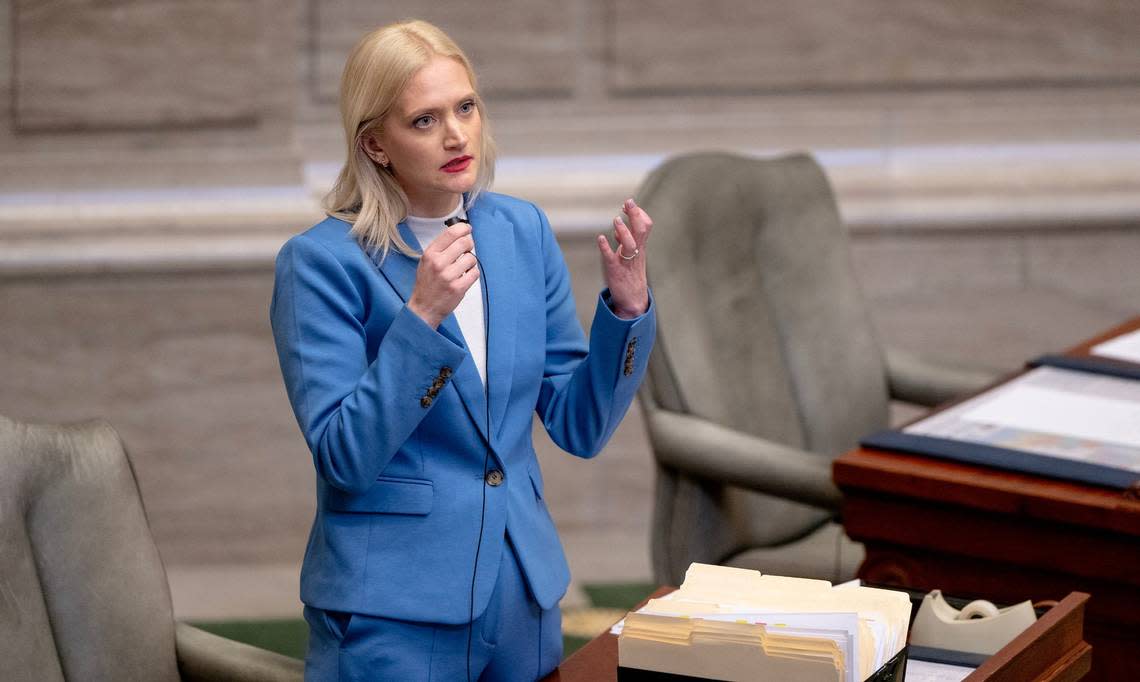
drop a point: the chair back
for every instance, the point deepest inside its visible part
(83, 593)
(762, 329)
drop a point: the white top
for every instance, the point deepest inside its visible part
(469, 312)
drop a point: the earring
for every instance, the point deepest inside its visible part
(379, 158)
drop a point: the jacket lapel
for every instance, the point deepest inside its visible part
(400, 271)
(495, 245)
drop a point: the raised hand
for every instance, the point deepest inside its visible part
(445, 273)
(624, 269)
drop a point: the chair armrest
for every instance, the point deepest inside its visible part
(916, 379)
(708, 450)
(207, 657)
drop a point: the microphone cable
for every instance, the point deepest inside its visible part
(484, 289)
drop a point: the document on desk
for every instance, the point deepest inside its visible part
(1124, 347)
(1080, 425)
(735, 624)
(1051, 411)
(926, 671)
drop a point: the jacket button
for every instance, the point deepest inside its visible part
(425, 402)
(445, 372)
(494, 478)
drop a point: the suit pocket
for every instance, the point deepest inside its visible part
(536, 481)
(388, 495)
(337, 623)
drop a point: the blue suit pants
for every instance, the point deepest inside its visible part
(514, 639)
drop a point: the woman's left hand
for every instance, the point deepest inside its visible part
(624, 269)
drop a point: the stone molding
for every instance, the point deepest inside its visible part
(1062, 187)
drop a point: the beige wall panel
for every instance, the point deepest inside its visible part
(94, 65)
(1011, 42)
(517, 46)
(899, 265)
(1097, 266)
(5, 55)
(183, 366)
(994, 328)
(673, 45)
(1003, 116)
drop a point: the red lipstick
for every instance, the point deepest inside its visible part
(457, 165)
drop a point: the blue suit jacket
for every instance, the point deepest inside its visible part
(400, 472)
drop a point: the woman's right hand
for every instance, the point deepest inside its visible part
(446, 271)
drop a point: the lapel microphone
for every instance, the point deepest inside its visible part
(455, 220)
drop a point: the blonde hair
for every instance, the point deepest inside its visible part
(375, 74)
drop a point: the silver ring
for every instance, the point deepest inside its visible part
(625, 257)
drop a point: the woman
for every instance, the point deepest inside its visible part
(415, 346)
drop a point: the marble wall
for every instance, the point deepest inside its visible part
(522, 48)
(183, 365)
(144, 94)
(83, 66)
(134, 93)
(868, 44)
(154, 155)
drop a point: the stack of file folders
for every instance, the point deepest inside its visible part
(735, 624)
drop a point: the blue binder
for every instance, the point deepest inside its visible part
(1090, 364)
(1020, 460)
(1001, 458)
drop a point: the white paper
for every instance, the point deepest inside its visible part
(925, 671)
(1123, 347)
(616, 629)
(1062, 413)
(953, 424)
(866, 625)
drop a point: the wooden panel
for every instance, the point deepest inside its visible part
(516, 46)
(977, 531)
(1052, 648)
(84, 64)
(1084, 349)
(1011, 539)
(727, 45)
(938, 481)
(1111, 624)
(597, 660)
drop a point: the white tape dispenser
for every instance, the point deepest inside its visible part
(980, 627)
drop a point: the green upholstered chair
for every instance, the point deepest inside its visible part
(83, 593)
(766, 366)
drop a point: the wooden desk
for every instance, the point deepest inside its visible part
(597, 660)
(1051, 649)
(1005, 536)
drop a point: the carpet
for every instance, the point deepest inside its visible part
(608, 603)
